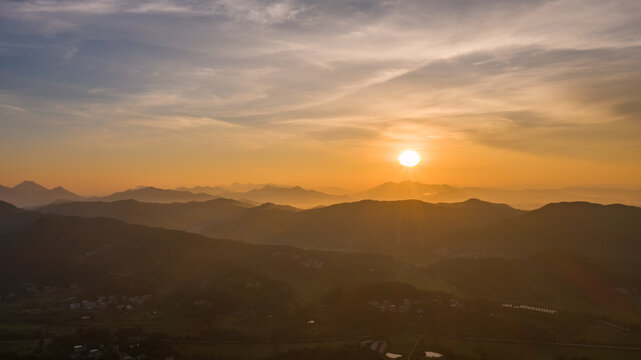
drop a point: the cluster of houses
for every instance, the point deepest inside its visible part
(379, 346)
(253, 284)
(82, 352)
(35, 290)
(31, 290)
(530, 308)
(410, 305)
(628, 291)
(7, 296)
(312, 264)
(302, 261)
(117, 301)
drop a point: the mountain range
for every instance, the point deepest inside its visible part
(598, 231)
(110, 255)
(390, 227)
(188, 216)
(375, 226)
(289, 195)
(29, 193)
(153, 194)
(411, 230)
(522, 199)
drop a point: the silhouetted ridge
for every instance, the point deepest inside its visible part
(586, 229)
(7, 207)
(397, 227)
(272, 206)
(174, 215)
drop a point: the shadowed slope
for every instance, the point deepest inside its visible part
(394, 227)
(593, 230)
(183, 216)
(109, 254)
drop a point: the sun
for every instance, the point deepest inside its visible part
(409, 158)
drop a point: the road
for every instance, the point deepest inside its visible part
(409, 357)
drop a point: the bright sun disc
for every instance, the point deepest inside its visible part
(409, 158)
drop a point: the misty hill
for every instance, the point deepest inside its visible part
(152, 194)
(535, 198)
(178, 215)
(522, 199)
(415, 190)
(108, 254)
(391, 227)
(559, 278)
(223, 189)
(586, 229)
(29, 193)
(211, 190)
(264, 193)
(295, 196)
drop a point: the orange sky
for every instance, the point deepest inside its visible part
(101, 96)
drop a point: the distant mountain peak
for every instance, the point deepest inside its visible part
(475, 201)
(29, 187)
(270, 187)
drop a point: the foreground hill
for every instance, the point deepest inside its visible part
(598, 231)
(392, 227)
(553, 278)
(29, 193)
(183, 216)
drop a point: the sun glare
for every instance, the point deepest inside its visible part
(409, 158)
